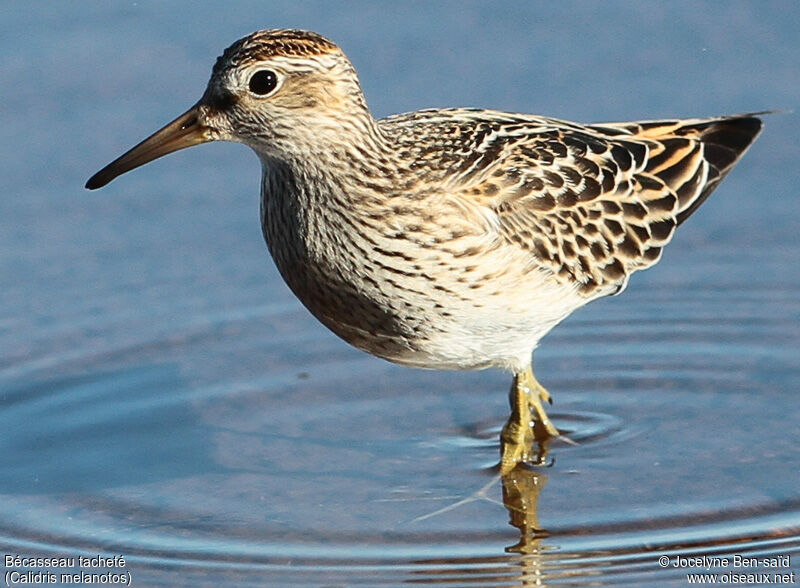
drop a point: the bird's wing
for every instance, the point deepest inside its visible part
(595, 203)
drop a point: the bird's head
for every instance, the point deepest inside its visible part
(277, 91)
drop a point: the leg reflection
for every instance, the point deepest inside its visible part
(521, 488)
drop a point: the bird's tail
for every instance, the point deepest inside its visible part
(695, 155)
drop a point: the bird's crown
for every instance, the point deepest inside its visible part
(269, 43)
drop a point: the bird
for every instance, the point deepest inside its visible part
(450, 239)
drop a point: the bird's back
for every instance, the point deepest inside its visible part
(592, 203)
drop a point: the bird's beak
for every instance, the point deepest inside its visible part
(184, 131)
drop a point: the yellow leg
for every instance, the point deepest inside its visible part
(522, 429)
(543, 427)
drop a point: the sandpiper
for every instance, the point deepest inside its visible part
(453, 238)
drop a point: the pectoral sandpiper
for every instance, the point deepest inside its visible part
(446, 239)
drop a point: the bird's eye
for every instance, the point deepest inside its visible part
(263, 82)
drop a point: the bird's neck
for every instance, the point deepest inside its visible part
(323, 169)
(346, 159)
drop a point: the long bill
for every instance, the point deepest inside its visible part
(183, 132)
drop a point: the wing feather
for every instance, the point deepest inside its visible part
(594, 204)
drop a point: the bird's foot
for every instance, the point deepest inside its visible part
(543, 427)
(525, 433)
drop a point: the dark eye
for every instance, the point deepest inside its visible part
(263, 82)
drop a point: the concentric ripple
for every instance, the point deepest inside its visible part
(242, 450)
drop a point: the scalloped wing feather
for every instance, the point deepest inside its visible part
(596, 203)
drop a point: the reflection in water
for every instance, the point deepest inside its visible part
(631, 553)
(521, 489)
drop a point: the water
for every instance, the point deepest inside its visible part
(164, 397)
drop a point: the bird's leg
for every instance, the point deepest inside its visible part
(521, 430)
(516, 438)
(543, 427)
